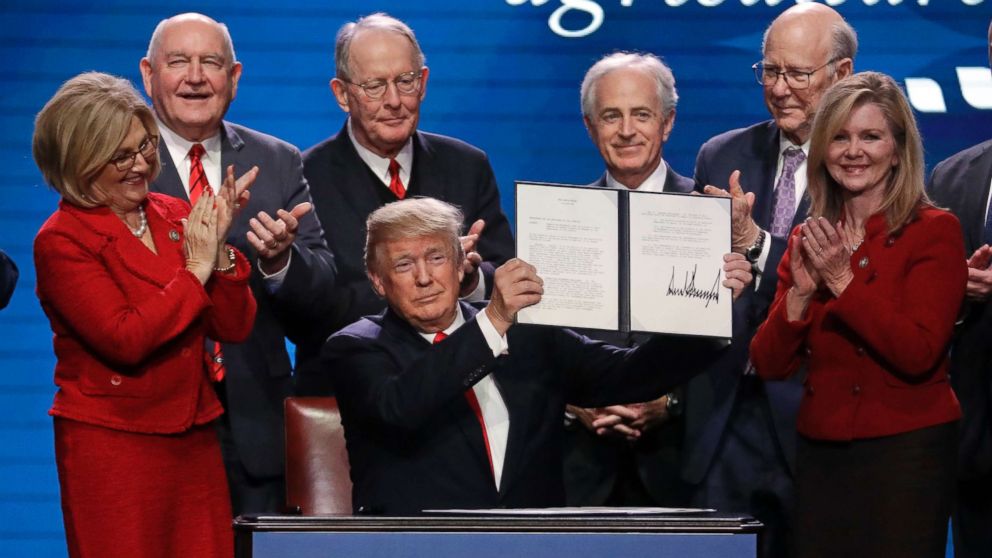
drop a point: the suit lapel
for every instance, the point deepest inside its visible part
(230, 152)
(358, 186)
(168, 181)
(421, 181)
(974, 198)
(761, 166)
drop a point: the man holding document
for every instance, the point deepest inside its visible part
(450, 405)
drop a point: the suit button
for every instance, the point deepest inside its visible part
(861, 351)
(890, 241)
(809, 390)
(185, 352)
(809, 352)
(856, 389)
(116, 380)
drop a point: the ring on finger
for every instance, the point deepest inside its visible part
(272, 243)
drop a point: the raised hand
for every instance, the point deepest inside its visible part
(200, 239)
(232, 196)
(472, 261)
(828, 249)
(979, 275)
(744, 231)
(516, 286)
(271, 238)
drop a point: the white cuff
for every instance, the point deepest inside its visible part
(497, 343)
(275, 280)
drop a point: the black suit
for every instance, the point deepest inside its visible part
(961, 184)
(259, 371)
(8, 278)
(724, 410)
(413, 441)
(608, 470)
(346, 191)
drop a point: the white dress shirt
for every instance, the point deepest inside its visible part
(494, 412)
(653, 183)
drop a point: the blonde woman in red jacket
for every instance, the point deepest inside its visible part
(868, 294)
(133, 283)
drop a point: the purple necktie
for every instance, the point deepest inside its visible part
(785, 193)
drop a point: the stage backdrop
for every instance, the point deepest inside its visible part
(504, 76)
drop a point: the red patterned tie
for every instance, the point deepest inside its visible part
(395, 184)
(473, 402)
(197, 178)
(197, 185)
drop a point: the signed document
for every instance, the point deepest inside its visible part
(625, 260)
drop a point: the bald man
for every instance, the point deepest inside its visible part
(740, 438)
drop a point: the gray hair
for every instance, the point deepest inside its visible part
(378, 20)
(844, 41)
(411, 218)
(649, 63)
(156, 40)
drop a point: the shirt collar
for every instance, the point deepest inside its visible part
(179, 146)
(380, 165)
(459, 321)
(653, 183)
(785, 143)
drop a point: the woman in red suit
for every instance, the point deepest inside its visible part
(133, 282)
(867, 298)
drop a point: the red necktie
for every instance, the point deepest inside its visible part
(197, 185)
(396, 185)
(197, 178)
(473, 402)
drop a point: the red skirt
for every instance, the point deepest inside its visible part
(142, 495)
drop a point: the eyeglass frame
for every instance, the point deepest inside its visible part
(417, 76)
(784, 74)
(130, 158)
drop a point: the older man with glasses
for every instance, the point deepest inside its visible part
(378, 157)
(740, 438)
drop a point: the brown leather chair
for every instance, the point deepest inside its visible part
(317, 472)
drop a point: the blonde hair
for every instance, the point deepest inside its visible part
(904, 192)
(81, 127)
(411, 218)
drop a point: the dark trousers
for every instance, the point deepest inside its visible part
(249, 494)
(889, 497)
(749, 473)
(972, 519)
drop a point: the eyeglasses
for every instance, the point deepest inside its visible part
(795, 79)
(406, 84)
(148, 150)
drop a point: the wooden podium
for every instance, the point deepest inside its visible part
(471, 536)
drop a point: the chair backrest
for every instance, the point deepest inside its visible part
(318, 478)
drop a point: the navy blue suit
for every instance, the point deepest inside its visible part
(605, 470)
(259, 371)
(346, 191)
(413, 441)
(961, 184)
(721, 400)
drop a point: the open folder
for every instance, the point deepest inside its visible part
(623, 260)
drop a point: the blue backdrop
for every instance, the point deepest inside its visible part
(504, 76)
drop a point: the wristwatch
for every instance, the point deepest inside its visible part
(752, 253)
(674, 404)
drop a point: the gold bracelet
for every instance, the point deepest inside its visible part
(232, 262)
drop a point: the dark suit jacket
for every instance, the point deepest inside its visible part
(259, 371)
(8, 278)
(129, 324)
(877, 354)
(414, 442)
(961, 184)
(594, 464)
(710, 396)
(346, 191)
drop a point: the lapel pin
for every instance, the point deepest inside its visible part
(173, 235)
(864, 262)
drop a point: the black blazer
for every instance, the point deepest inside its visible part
(346, 191)
(961, 184)
(415, 444)
(710, 396)
(593, 463)
(259, 371)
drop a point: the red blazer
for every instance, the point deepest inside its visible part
(877, 354)
(128, 324)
